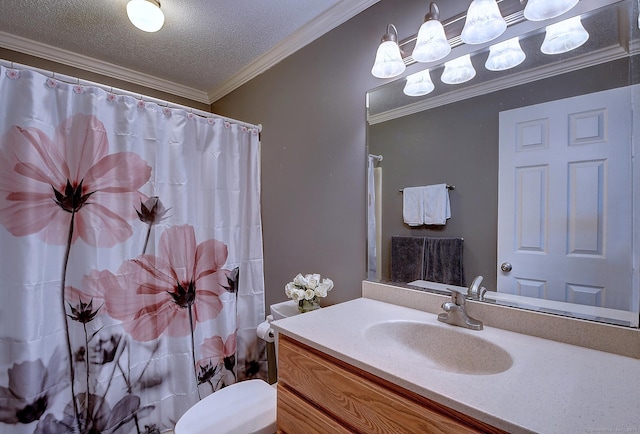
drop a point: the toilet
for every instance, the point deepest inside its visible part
(247, 407)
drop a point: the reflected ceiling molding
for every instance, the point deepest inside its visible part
(593, 58)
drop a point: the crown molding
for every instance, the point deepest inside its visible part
(332, 18)
(338, 14)
(90, 64)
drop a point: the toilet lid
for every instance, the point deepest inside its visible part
(242, 408)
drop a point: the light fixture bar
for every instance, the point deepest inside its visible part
(455, 41)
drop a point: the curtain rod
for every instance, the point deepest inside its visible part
(75, 80)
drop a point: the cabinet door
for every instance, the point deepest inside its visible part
(360, 401)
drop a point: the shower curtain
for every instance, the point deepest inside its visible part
(131, 258)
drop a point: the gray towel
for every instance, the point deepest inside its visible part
(443, 261)
(407, 258)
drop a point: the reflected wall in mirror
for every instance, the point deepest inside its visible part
(453, 136)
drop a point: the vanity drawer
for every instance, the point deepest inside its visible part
(295, 415)
(359, 401)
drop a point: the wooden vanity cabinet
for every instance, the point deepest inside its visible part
(318, 393)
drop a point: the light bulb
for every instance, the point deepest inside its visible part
(419, 84)
(540, 10)
(505, 55)
(564, 36)
(145, 15)
(388, 61)
(484, 22)
(458, 70)
(431, 43)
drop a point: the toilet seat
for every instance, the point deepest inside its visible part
(242, 408)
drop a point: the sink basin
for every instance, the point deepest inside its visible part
(447, 348)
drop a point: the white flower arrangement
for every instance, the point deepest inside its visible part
(308, 287)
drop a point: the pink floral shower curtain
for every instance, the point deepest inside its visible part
(131, 258)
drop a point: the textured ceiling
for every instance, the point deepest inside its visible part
(205, 49)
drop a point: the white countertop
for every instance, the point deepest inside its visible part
(551, 387)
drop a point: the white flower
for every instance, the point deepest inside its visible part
(312, 280)
(297, 295)
(324, 288)
(288, 290)
(300, 280)
(307, 287)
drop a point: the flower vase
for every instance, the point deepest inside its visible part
(308, 305)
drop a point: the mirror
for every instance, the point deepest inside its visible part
(452, 136)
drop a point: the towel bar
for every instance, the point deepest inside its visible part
(449, 187)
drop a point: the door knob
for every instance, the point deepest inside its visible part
(506, 267)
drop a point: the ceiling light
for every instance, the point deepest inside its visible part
(484, 22)
(419, 84)
(145, 15)
(458, 70)
(431, 43)
(564, 36)
(539, 10)
(505, 55)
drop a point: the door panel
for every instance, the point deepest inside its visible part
(565, 200)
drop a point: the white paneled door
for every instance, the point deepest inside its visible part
(565, 200)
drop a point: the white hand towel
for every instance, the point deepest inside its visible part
(413, 206)
(436, 204)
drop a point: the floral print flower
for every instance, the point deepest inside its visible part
(218, 350)
(44, 180)
(168, 293)
(32, 387)
(99, 418)
(152, 210)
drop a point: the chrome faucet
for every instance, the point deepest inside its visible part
(455, 312)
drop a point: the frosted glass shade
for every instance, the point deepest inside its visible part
(388, 61)
(539, 10)
(145, 15)
(484, 22)
(505, 55)
(564, 36)
(458, 70)
(431, 43)
(419, 84)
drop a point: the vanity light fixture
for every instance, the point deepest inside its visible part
(459, 70)
(388, 61)
(419, 84)
(145, 14)
(484, 22)
(564, 36)
(505, 55)
(540, 10)
(431, 43)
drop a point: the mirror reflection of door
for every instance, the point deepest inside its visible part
(565, 196)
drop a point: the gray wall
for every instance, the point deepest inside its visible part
(458, 144)
(312, 108)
